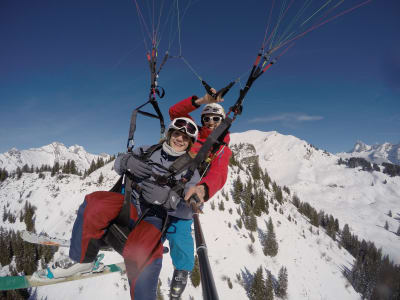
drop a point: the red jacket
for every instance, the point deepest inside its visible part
(218, 169)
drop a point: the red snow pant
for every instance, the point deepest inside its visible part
(142, 252)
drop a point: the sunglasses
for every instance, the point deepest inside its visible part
(183, 124)
(214, 118)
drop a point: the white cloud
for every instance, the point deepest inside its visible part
(287, 117)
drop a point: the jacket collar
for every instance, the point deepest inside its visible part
(204, 132)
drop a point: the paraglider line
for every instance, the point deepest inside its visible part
(269, 22)
(320, 24)
(142, 23)
(278, 23)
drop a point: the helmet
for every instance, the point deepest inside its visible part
(213, 108)
(186, 125)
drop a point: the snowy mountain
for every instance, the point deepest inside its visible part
(386, 152)
(315, 262)
(358, 198)
(48, 155)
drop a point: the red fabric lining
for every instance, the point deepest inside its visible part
(101, 209)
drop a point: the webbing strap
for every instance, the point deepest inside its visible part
(132, 129)
(214, 140)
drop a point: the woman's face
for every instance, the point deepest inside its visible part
(179, 141)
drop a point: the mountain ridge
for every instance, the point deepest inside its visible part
(49, 155)
(378, 153)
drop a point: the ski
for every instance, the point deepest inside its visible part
(45, 240)
(23, 282)
(42, 239)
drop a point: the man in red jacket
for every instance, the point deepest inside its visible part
(215, 170)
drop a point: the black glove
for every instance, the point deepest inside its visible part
(135, 166)
(159, 195)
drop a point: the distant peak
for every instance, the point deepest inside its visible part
(54, 145)
(76, 148)
(13, 149)
(360, 147)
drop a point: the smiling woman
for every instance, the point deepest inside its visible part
(157, 211)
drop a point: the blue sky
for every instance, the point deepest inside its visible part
(72, 71)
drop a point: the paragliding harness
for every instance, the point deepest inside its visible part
(118, 231)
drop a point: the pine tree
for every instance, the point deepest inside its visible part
(92, 167)
(248, 198)
(30, 258)
(6, 253)
(269, 288)
(29, 212)
(281, 290)
(277, 193)
(22, 294)
(73, 169)
(230, 285)
(25, 168)
(239, 223)
(386, 225)
(250, 222)
(259, 203)
(66, 167)
(195, 275)
(390, 213)
(266, 179)
(237, 190)
(101, 178)
(346, 238)
(270, 245)
(256, 170)
(5, 214)
(100, 163)
(3, 174)
(296, 201)
(257, 290)
(19, 173)
(55, 168)
(221, 205)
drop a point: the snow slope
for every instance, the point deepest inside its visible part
(313, 260)
(358, 198)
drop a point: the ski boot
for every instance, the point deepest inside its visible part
(66, 267)
(178, 284)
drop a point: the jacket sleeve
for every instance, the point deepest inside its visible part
(120, 161)
(192, 182)
(183, 108)
(217, 173)
(118, 164)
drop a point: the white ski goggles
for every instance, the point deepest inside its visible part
(189, 127)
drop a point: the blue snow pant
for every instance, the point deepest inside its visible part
(179, 235)
(143, 250)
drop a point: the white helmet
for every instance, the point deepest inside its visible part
(213, 108)
(186, 125)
